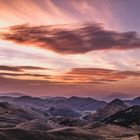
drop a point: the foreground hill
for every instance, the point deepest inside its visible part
(56, 134)
(109, 109)
(130, 116)
(70, 133)
(11, 115)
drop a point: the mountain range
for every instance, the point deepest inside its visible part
(77, 118)
(77, 103)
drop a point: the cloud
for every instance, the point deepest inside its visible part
(77, 76)
(74, 39)
(32, 68)
(78, 80)
(23, 74)
(82, 76)
(8, 68)
(106, 75)
(47, 12)
(90, 71)
(20, 68)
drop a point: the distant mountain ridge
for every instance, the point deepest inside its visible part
(76, 103)
(102, 108)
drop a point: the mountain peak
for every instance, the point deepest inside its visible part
(74, 98)
(137, 98)
(111, 108)
(116, 101)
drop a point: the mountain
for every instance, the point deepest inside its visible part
(76, 103)
(22, 118)
(67, 112)
(130, 116)
(26, 101)
(111, 108)
(11, 115)
(83, 104)
(135, 101)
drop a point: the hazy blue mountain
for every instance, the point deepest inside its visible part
(76, 103)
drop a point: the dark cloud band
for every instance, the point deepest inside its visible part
(77, 40)
(20, 68)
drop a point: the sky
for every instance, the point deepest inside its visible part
(70, 47)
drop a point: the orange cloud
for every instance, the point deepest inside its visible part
(102, 75)
(88, 79)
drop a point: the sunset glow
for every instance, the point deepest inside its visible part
(67, 47)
